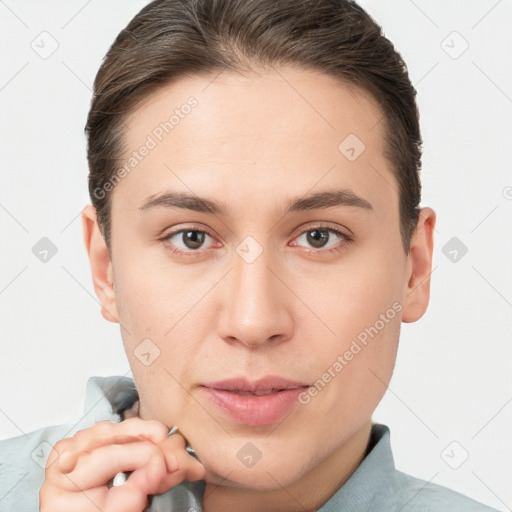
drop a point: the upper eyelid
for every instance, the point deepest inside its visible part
(322, 226)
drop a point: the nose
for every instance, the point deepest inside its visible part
(256, 306)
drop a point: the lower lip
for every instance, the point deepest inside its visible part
(254, 409)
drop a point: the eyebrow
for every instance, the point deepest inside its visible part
(319, 200)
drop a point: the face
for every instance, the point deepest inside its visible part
(275, 258)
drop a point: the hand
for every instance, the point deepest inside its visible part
(79, 468)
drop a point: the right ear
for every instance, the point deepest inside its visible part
(101, 265)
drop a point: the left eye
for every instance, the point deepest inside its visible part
(319, 238)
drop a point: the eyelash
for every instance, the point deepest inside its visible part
(347, 239)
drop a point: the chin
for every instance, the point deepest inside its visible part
(259, 477)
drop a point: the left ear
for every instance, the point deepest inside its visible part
(419, 267)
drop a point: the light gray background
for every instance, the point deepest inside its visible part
(453, 378)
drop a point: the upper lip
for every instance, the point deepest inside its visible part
(267, 383)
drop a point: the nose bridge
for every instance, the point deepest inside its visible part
(256, 311)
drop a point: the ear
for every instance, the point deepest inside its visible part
(101, 265)
(419, 267)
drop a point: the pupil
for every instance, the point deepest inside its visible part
(317, 238)
(193, 239)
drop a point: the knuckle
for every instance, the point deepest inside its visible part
(104, 428)
(152, 426)
(63, 445)
(152, 449)
(101, 428)
(59, 456)
(158, 426)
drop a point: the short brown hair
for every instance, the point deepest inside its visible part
(169, 39)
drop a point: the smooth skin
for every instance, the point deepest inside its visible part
(253, 143)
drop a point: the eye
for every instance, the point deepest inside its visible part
(191, 242)
(324, 239)
(187, 241)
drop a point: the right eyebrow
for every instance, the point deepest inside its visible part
(185, 201)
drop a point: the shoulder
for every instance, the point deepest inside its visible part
(421, 496)
(413, 494)
(377, 485)
(22, 466)
(23, 458)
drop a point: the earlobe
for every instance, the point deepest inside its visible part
(419, 267)
(101, 265)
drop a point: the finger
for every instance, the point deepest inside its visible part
(126, 498)
(105, 433)
(171, 446)
(180, 464)
(96, 468)
(192, 468)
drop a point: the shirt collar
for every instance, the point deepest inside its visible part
(373, 484)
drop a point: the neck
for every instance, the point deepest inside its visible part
(307, 494)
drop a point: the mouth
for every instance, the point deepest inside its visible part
(260, 402)
(255, 393)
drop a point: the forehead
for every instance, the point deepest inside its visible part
(272, 132)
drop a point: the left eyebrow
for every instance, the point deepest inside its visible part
(328, 199)
(319, 200)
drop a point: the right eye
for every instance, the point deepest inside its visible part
(187, 241)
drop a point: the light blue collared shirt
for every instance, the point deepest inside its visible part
(376, 485)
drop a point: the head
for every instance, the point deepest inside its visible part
(254, 178)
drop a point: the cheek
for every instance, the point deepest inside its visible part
(154, 295)
(350, 296)
(361, 303)
(154, 306)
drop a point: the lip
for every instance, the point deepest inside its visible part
(237, 398)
